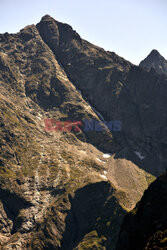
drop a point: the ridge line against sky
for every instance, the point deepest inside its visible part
(130, 28)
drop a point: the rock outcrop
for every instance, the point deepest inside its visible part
(145, 227)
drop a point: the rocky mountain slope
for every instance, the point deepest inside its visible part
(145, 227)
(116, 89)
(155, 61)
(71, 190)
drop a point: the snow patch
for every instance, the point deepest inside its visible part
(100, 115)
(103, 176)
(141, 157)
(100, 160)
(82, 151)
(107, 155)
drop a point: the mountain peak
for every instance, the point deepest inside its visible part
(53, 32)
(46, 17)
(156, 61)
(155, 53)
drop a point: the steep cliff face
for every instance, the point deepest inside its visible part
(145, 227)
(144, 118)
(70, 190)
(118, 90)
(155, 61)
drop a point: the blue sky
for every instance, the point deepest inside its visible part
(130, 28)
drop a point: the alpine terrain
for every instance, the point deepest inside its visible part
(64, 188)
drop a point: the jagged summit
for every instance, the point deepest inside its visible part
(155, 52)
(49, 20)
(155, 55)
(55, 33)
(156, 61)
(47, 16)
